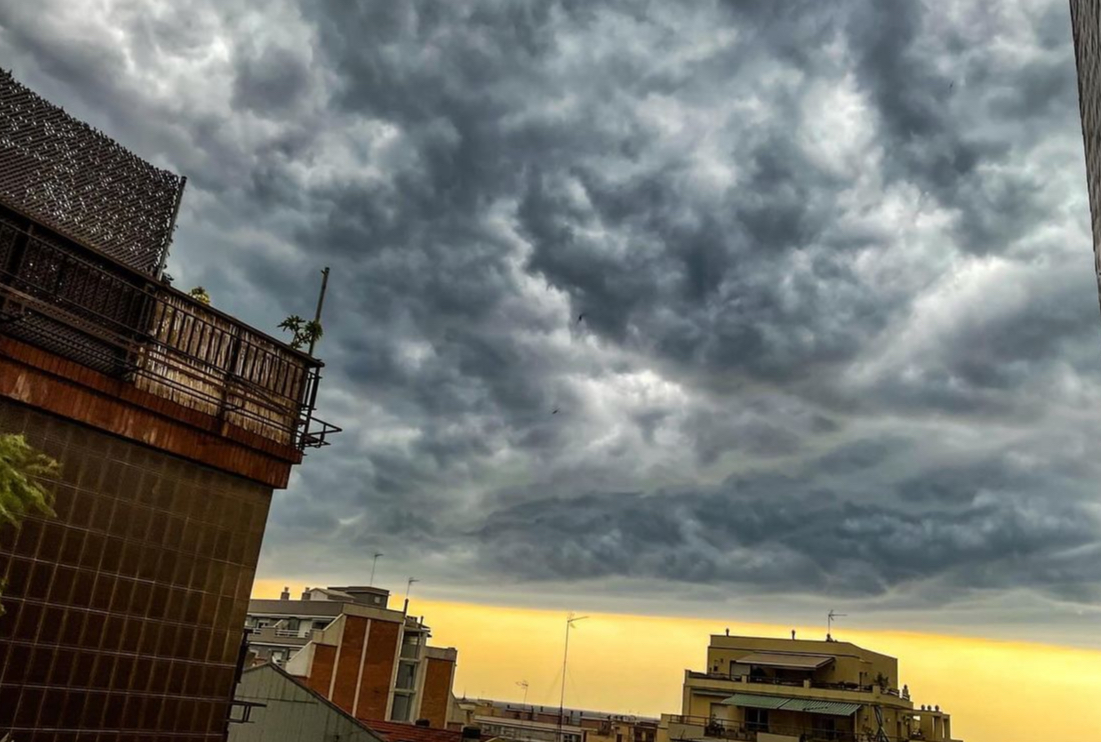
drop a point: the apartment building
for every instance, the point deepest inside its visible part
(172, 422)
(350, 647)
(787, 690)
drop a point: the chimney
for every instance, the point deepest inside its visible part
(286, 594)
(306, 594)
(472, 733)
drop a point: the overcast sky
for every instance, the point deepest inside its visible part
(840, 343)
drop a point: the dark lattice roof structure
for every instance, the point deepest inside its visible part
(75, 180)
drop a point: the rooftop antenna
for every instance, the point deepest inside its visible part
(570, 621)
(829, 622)
(374, 563)
(320, 303)
(408, 589)
(524, 684)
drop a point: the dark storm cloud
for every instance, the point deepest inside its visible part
(840, 328)
(791, 540)
(270, 81)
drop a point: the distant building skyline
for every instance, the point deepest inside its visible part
(525, 722)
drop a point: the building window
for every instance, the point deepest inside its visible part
(824, 728)
(407, 676)
(403, 705)
(410, 646)
(756, 720)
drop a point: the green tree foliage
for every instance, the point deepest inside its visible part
(304, 333)
(21, 492)
(21, 468)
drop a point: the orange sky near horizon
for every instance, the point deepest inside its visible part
(996, 691)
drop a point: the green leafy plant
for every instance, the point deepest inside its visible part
(303, 333)
(21, 468)
(200, 294)
(21, 492)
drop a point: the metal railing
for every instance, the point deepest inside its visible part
(124, 324)
(747, 732)
(794, 683)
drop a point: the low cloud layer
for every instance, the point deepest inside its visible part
(838, 338)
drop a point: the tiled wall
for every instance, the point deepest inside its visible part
(1086, 20)
(124, 613)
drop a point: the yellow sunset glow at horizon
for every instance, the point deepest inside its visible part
(996, 691)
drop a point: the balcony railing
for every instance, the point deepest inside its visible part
(65, 299)
(793, 683)
(747, 732)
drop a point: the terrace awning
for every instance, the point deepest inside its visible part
(790, 703)
(786, 661)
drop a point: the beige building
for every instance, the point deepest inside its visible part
(788, 690)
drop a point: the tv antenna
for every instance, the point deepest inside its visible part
(829, 622)
(570, 621)
(524, 684)
(408, 589)
(374, 563)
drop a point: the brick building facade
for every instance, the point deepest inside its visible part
(348, 646)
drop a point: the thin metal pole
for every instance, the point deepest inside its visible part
(570, 621)
(408, 589)
(562, 696)
(374, 563)
(320, 303)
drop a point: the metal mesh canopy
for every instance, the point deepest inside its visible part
(788, 703)
(66, 175)
(787, 661)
